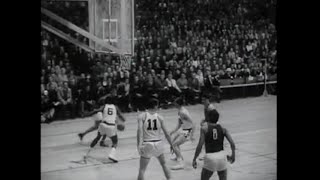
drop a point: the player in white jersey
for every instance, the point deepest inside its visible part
(186, 129)
(149, 142)
(108, 127)
(97, 117)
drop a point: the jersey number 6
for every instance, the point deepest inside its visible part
(110, 111)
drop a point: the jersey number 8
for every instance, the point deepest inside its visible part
(214, 134)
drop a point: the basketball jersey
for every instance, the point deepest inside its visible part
(151, 127)
(183, 114)
(214, 138)
(109, 114)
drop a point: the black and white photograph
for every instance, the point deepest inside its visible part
(158, 90)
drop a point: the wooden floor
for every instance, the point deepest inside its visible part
(251, 122)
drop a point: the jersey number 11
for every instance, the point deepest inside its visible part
(154, 124)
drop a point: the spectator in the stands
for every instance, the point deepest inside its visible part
(183, 85)
(87, 99)
(51, 83)
(100, 92)
(72, 76)
(174, 90)
(109, 86)
(75, 92)
(136, 91)
(43, 87)
(162, 89)
(63, 76)
(200, 77)
(123, 95)
(149, 88)
(194, 86)
(212, 86)
(47, 107)
(65, 98)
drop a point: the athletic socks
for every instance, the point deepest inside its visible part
(179, 166)
(112, 155)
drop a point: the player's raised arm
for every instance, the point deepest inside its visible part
(94, 111)
(199, 147)
(164, 129)
(119, 113)
(233, 146)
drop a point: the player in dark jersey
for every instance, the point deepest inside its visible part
(208, 105)
(212, 135)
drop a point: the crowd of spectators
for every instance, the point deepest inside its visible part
(183, 49)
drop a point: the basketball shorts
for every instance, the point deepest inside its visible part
(186, 133)
(150, 149)
(215, 161)
(105, 129)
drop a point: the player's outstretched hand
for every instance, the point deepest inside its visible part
(231, 159)
(194, 164)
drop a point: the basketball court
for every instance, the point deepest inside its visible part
(251, 122)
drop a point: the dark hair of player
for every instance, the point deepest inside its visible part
(108, 100)
(152, 103)
(213, 116)
(210, 98)
(178, 101)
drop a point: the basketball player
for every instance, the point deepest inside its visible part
(107, 127)
(212, 135)
(208, 105)
(149, 141)
(186, 129)
(97, 117)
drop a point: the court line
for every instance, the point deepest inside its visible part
(133, 137)
(185, 150)
(254, 131)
